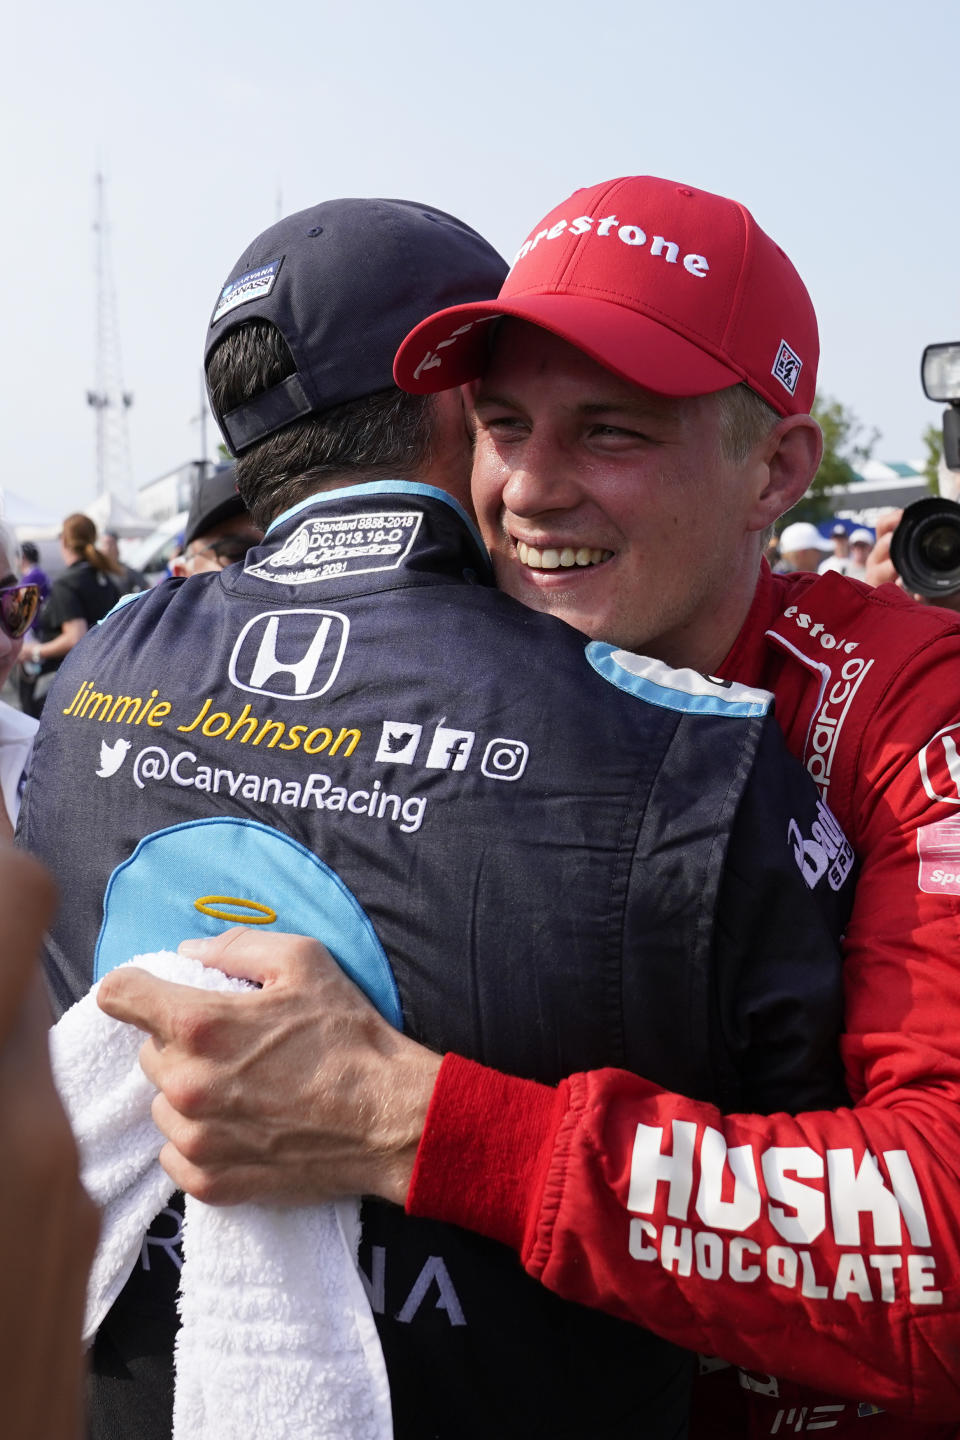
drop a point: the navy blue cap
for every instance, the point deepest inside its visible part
(344, 282)
(215, 499)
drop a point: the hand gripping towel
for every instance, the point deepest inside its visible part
(277, 1337)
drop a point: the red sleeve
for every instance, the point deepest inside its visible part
(776, 1242)
(822, 1247)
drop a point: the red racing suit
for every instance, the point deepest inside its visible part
(824, 1247)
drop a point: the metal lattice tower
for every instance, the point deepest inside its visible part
(110, 401)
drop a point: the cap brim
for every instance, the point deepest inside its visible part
(451, 347)
(215, 515)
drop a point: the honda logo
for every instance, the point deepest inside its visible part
(290, 654)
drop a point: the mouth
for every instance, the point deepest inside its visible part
(560, 558)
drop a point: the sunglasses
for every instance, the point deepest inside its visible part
(18, 608)
(230, 548)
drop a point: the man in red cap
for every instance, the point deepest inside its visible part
(640, 392)
(677, 327)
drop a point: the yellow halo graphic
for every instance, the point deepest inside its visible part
(207, 905)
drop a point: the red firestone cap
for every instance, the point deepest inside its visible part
(670, 287)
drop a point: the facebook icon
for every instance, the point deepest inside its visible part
(450, 749)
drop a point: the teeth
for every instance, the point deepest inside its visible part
(552, 559)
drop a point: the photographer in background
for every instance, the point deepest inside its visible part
(881, 569)
(881, 566)
(919, 548)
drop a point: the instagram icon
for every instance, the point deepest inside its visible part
(504, 759)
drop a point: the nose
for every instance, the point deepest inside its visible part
(542, 480)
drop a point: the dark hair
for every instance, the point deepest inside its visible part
(387, 432)
(30, 552)
(78, 535)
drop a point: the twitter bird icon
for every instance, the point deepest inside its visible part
(112, 757)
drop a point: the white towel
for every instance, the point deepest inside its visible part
(277, 1336)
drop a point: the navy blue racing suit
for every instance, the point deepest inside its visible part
(533, 849)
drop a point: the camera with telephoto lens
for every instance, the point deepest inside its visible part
(925, 548)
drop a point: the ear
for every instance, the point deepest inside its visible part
(787, 457)
(467, 394)
(450, 459)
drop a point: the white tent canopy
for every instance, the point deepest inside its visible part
(108, 512)
(33, 522)
(25, 514)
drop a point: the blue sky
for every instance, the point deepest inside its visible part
(833, 123)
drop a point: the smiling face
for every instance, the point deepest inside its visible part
(611, 507)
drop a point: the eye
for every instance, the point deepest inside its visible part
(501, 426)
(618, 436)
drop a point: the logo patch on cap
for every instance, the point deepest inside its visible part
(251, 286)
(787, 367)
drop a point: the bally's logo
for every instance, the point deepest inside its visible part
(290, 654)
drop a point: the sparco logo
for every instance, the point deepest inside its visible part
(821, 747)
(284, 654)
